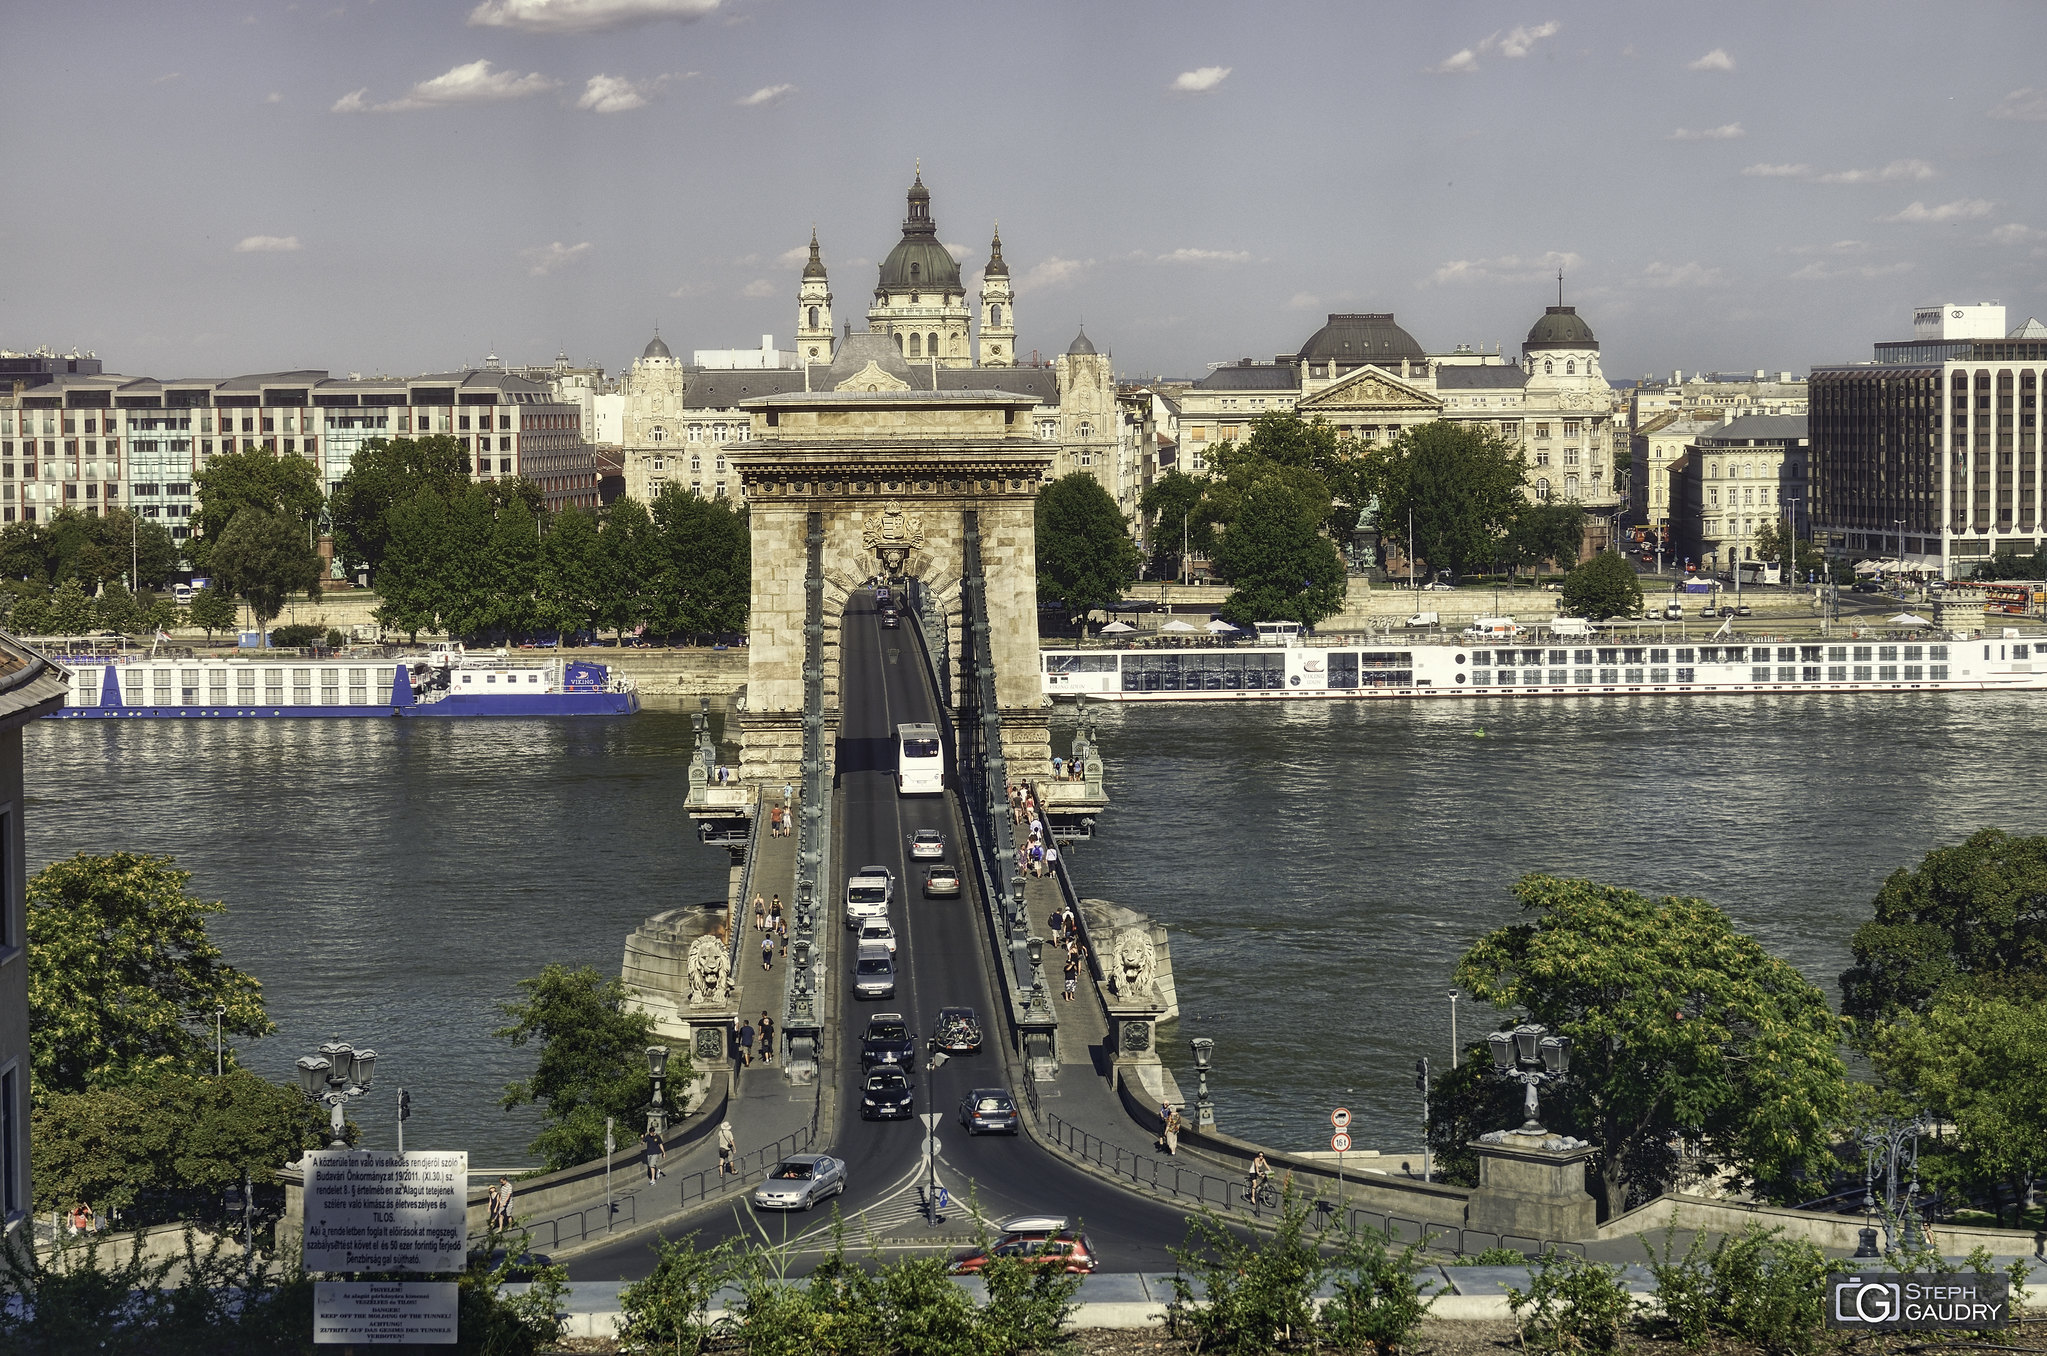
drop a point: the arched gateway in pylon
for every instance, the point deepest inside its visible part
(892, 465)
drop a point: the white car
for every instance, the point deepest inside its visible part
(879, 931)
(869, 892)
(927, 845)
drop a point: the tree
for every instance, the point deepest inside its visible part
(1969, 917)
(1462, 484)
(702, 559)
(1274, 554)
(625, 546)
(572, 583)
(515, 563)
(286, 488)
(70, 609)
(413, 578)
(116, 609)
(592, 1062)
(1282, 440)
(383, 475)
(213, 610)
(1086, 558)
(1604, 586)
(118, 963)
(1680, 1026)
(1539, 532)
(264, 559)
(1168, 505)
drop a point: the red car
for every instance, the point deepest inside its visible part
(1047, 1240)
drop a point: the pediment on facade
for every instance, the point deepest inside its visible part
(1368, 389)
(872, 378)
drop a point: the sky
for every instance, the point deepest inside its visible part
(212, 187)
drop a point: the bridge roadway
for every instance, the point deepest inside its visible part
(943, 960)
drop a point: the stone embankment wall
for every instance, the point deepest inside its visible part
(1833, 1232)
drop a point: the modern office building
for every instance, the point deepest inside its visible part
(1930, 453)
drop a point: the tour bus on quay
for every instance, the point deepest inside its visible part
(1281, 663)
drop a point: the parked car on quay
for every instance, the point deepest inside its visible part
(987, 1111)
(799, 1182)
(941, 881)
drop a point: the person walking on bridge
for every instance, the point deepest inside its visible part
(725, 1144)
(767, 950)
(745, 1039)
(652, 1150)
(760, 913)
(767, 1039)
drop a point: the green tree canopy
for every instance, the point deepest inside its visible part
(1282, 440)
(1086, 559)
(122, 976)
(703, 566)
(1604, 586)
(592, 1061)
(1462, 484)
(91, 549)
(1972, 917)
(573, 574)
(263, 559)
(1169, 506)
(1552, 531)
(1274, 554)
(70, 610)
(212, 610)
(1680, 1026)
(384, 474)
(287, 488)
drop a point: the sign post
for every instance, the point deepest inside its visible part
(1339, 1142)
(368, 1210)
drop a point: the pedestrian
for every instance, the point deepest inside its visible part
(1051, 859)
(775, 913)
(1072, 923)
(1058, 768)
(1072, 982)
(760, 914)
(767, 1039)
(745, 1044)
(491, 1203)
(788, 794)
(783, 932)
(504, 1202)
(1037, 858)
(767, 952)
(725, 1163)
(1173, 1132)
(651, 1149)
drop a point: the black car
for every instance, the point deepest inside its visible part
(887, 1042)
(1868, 586)
(887, 1096)
(959, 1031)
(890, 619)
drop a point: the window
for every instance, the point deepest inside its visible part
(916, 342)
(1548, 368)
(813, 318)
(1571, 427)
(1571, 367)
(1542, 430)
(1542, 487)
(931, 345)
(994, 315)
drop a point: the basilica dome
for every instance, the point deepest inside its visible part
(918, 261)
(1353, 340)
(1561, 327)
(656, 349)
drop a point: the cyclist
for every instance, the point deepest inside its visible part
(1256, 1176)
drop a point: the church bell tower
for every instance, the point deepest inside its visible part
(814, 311)
(998, 310)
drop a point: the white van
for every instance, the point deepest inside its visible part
(1570, 626)
(1493, 628)
(1424, 621)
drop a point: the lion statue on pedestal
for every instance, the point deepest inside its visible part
(1135, 962)
(710, 970)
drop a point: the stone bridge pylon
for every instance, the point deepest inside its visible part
(891, 465)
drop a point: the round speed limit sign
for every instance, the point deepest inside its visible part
(1339, 1143)
(1340, 1118)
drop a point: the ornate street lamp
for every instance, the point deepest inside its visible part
(331, 1078)
(1884, 1144)
(1204, 1104)
(1530, 1056)
(1040, 1008)
(657, 1069)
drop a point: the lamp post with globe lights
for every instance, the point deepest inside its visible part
(339, 1073)
(1530, 1056)
(657, 1069)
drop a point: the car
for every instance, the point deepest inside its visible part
(988, 1110)
(518, 1266)
(890, 619)
(1744, 610)
(1422, 621)
(874, 972)
(887, 1041)
(1673, 612)
(1708, 612)
(941, 880)
(1868, 586)
(799, 1182)
(1048, 1240)
(927, 845)
(881, 595)
(887, 1096)
(869, 892)
(1438, 586)
(958, 1031)
(878, 932)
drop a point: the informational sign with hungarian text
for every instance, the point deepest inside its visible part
(369, 1210)
(384, 1313)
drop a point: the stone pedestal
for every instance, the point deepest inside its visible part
(1136, 957)
(692, 1012)
(1531, 1185)
(1133, 1033)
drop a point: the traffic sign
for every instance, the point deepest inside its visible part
(1339, 1142)
(931, 1120)
(1340, 1118)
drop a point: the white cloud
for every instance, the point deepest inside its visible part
(1715, 60)
(2013, 233)
(2022, 105)
(1961, 209)
(267, 244)
(1897, 171)
(274, 98)
(1836, 247)
(1693, 274)
(790, 258)
(616, 94)
(583, 16)
(1778, 171)
(1725, 132)
(761, 287)
(545, 259)
(472, 83)
(1511, 268)
(1052, 272)
(1303, 301)
(766, 95)
(1821, 271)
(1457, 63)
(1187, 255)
(1200, 80)
(166, 79)
(1517, 42)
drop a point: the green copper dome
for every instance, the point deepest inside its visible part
(918, 261)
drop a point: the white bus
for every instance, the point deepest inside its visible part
(920, 761)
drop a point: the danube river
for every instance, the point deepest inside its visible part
(1321, 866)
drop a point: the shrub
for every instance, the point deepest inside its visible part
(1572, 1305)
(1378, 1302)
(1257, 1296)
(1027, 1305)
(670, 1310)
(334, 639)
(1493, 1257)
(1757, 1287)
(296, 636)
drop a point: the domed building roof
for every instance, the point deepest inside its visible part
(1081, 345)
(997, 268)
(918, 260)
(1353, 340)
(815, 267)
(1560, 327)
(656, 349)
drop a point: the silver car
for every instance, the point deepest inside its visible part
(927, 845)
(874, 972)
(799, 1182)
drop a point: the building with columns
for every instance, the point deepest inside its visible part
(1931, 452)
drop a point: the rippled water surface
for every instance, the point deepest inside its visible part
(1322, 866)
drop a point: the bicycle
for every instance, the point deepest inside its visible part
(1259, 1193)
